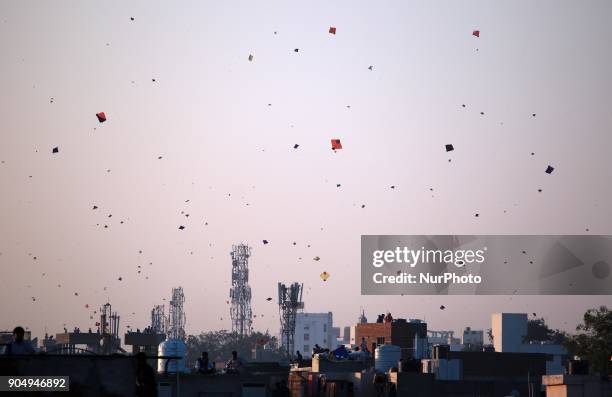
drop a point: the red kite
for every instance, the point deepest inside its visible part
(332, 30)
(101, 117)
(336, 144)
(476, 33)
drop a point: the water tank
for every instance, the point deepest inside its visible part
(386, 357)
(171, 347)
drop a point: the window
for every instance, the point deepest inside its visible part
(306, 336)
(306, 328)
(324, 327)
(380, 340)
(306, 349)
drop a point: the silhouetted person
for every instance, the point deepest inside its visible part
(388, 318)
(234, 365)
(298, 356)
(381, 318)
(18, 346)
(145, 377)
(204, 365)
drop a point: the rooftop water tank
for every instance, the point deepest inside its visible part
(386, 357)
(171, 347)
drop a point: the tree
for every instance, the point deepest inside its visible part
(594, 340)
(490, 335)
(220, 344)
(539, 331)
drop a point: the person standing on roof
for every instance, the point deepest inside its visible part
(388, 318)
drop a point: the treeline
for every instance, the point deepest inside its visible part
(220, 344)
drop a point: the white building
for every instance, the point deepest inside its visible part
(443, 338)
(472, 338)
(314, 329)
(509, 329)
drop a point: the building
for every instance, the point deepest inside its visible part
(576, 386)
(146, 342)
(504, 372)
(314, 329)
(443, 338)
(509, 329)
(346, 335)
(472, 339)
(399, 332)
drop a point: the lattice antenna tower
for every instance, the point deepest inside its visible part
(176, 315)
(289, 302)
(240, 293)
(158, 319)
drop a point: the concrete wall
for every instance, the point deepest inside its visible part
(89, 375)
(195, 385)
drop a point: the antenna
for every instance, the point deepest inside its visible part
(289, 301)
(240, 293)
(109, 329)
(176, 315)
(158, 319)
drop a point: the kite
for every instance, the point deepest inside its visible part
(476, 33)
(101, 117)
(442, 307)
(55, 150)
(250, 58)
(371, 67)
(549, 169)
(449, 148)
(332, 30)
(324, 276)
(336, 144)
(268, 299)
(181, 227)
(296, 146)
(316, 258)
(265, 241)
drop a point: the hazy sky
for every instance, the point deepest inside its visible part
(231, 155)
